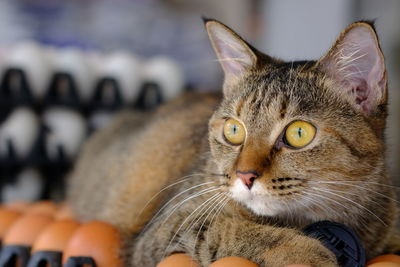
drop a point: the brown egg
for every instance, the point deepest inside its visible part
(384, 264)
(7, 218)
(97, 239)
(43, 207)
(386, 258)
(55, 236)
(233, 262)
(178, 260)
(20, 206)
(64, 212)
(26, 229)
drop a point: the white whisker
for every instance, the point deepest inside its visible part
(177, 205)
(185, 178)
(215, 216)
(188, 217)
(355, 203)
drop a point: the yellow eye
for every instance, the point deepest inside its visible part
(299, 134)
(234, 132)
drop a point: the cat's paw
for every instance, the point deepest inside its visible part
(300, 250)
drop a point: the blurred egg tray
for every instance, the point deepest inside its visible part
(52, 99)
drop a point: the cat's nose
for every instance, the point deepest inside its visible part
(247, 177)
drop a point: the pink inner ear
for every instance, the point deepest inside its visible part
(358, 65)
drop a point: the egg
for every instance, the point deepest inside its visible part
(43, 207)
(67, 130)
(64, 212)
(20, 206)
(178, 260)
(385, 258)
(126, 69)
(384, 264)
(233, 262)
(98, 240)
(56, 235)
(26, 229)
(21, 129)
(7, 218)
(26, 56)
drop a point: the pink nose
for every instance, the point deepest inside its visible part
(247, 177)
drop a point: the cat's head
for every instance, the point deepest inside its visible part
(296, 136)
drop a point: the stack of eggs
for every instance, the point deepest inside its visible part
(51, 99)
(182, 260)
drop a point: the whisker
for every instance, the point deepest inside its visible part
(314, 202)
(363, 182)
(185, 178)
(180, 204)
(172, 210)
(188, 217)
(206, 208)
(313, 194)
(215, 216)
(358, 186)
(214, 207)
(353, 194)
(345, 198)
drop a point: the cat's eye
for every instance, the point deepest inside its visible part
(234, 132)
(299, 134)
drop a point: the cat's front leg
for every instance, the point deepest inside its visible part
(207, 242)
(265, 245)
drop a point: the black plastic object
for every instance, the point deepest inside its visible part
(107, 95)
(15, 89)
(46, 259)
(10, 256)
(80, 262)
(150, 96)
(62, 91)
(341, 240)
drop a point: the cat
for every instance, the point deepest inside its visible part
(241, 173)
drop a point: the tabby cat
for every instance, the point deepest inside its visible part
(286, 144)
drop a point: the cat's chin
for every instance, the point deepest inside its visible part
(256, 200)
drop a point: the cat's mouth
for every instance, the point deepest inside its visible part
(268, 199)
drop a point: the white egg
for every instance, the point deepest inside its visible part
(100, 119)
(21, 128)
(28, 186)
(167, 74)
(125, 68)
(36, 64)
(73, 62)
(67, 129)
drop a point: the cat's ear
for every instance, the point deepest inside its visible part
(234, 54)
(357, 64)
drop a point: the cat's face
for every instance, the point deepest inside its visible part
(292, 137)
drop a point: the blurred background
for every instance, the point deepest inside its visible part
(67, 66)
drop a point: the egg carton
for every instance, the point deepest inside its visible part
(52, 99)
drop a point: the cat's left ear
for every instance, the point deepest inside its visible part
(357, 64)
(234, 54)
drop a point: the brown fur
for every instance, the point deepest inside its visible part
(340, 176)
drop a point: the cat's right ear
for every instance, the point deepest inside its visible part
(234, 54)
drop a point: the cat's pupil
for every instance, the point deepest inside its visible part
(299, 132)
(234, 129)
